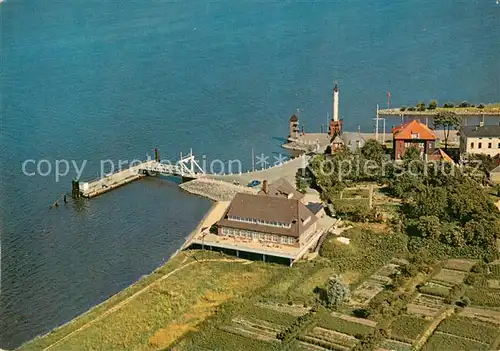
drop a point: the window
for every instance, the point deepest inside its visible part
(414, 135)
(479, 145)
(489, 145)
(261, 236)
(283, 239)
(472, 145)
(268, 237)
(275, 238)
(291, 240)
(224, 231)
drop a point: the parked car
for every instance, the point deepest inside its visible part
(254, 183)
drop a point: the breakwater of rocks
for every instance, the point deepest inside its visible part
(216, 190)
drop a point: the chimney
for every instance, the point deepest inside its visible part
(265, 188)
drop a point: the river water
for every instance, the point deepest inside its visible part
(98, 80)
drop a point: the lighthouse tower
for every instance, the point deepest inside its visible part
(335, 123)
(294, 127)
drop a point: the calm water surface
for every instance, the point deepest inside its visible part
(92, 80)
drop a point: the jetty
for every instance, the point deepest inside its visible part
(186, 167)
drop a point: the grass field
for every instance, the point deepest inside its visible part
(470, 328)
(166, 310)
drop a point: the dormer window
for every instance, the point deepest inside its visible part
(415, 135)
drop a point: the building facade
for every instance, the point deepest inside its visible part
(413, 134)
(480, 140)
(268, 219)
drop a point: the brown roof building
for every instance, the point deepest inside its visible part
(277, 219)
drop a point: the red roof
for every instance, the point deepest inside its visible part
(413, 130)
(440, 155)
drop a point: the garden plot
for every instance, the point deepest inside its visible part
(493, 284)
(253, 328)
(447, 342)
(348, 318)
(482, 314)
(435, 289)
(395, 345)
(469, 328)
(365, 292)
(305, 346)
(460, 264)
(329, 339)
(408, 328)
(346, 324)
(449, 277)
(426, 305)
(373, 285)
(294, 310)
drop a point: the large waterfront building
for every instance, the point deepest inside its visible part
(483, 139)
(269, 219)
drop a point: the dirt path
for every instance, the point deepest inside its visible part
(128, 299)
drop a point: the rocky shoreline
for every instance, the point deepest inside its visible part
(216, 190)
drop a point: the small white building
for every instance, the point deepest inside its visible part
(480, 140)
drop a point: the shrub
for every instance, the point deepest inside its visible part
(361, 313)
(411, 108)
(449, 105)
(471, 279)
(464, 104)
(421, 106)
(402, 108)
(432, 105)
(480, 106)
(480, 267)
(454, 294)
(465, 301)
(299, 325)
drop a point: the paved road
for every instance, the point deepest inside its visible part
(287, 170)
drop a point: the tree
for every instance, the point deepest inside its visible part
(421, 106)
(447, 120)
(336, 292)
(429, 227)
(433, 104)
(373, 151)
(411, 154)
